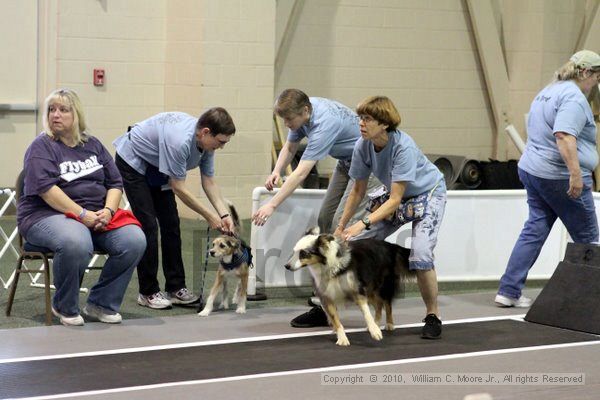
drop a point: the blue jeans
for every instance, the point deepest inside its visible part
(547, 200)
(73, 246)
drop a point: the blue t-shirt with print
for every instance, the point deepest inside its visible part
(399, 161)
(168, 142)
(84, 172)
(332, 130)
(559, 107)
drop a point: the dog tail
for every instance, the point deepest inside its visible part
(235, 216)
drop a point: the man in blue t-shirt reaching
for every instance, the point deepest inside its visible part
(153, 158)
(331, 129)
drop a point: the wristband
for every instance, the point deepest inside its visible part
(82, 213)
(112, 212)
(224, 215)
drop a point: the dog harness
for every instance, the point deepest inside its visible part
(243, 256)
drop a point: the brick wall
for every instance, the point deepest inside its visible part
(422, 55)
(127, 40)
(189, 55)
(176, 55)
(220, 53)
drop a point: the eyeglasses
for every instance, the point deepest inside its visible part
(366, 118)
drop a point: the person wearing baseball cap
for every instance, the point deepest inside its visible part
(556, 169)
(586, 59)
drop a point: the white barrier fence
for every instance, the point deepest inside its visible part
(476, 238)
(8, 239)
(9, 245)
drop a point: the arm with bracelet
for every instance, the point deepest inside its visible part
(57, 199)
(113, 198)
(214, 196)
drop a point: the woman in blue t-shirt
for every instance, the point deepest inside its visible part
(68, 171)
(414, 192)
(556, 170)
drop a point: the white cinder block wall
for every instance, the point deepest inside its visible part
(189, 55)
(419, 53)
(423, 55)
(220, 53)
(176, 55)
(127, 40)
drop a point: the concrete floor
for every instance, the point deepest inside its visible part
(168, 331)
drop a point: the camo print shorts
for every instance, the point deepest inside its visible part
(424, 231)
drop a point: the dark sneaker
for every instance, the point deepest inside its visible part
(315, 317)
(432, 328)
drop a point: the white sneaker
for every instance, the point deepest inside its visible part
(157, 301)
(182, 296)
(521, 302)
(68, 321)
(314, 301)
(96, 314)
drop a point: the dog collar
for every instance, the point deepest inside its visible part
(244, 256)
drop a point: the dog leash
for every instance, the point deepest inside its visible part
(201, 302)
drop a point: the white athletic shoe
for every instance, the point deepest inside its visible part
(96, 314)
(68, 321)
(521, 302)
(182, 296)
(157, 301)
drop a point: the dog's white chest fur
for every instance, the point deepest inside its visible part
(338, 288)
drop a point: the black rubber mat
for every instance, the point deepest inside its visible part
(561, 304)
(47, 377)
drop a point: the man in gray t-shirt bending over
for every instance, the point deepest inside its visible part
(331, 129)
(153, 158)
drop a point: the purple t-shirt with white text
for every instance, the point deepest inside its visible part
(84, 172)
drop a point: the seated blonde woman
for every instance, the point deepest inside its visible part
(68, 171)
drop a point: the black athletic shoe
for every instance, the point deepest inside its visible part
(315, 317)
(432, 328)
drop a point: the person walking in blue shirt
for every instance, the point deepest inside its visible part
(556, 170)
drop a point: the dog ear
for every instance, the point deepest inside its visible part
(313, 231)
(329, 237)
(234, 244)
(323, 243)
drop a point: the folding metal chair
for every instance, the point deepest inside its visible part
(27, 251)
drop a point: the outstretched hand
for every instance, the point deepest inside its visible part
(353, 231)
(261, 216)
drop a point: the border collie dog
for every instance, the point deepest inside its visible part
(367, 272)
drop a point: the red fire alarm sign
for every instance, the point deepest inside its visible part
(98, 77)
